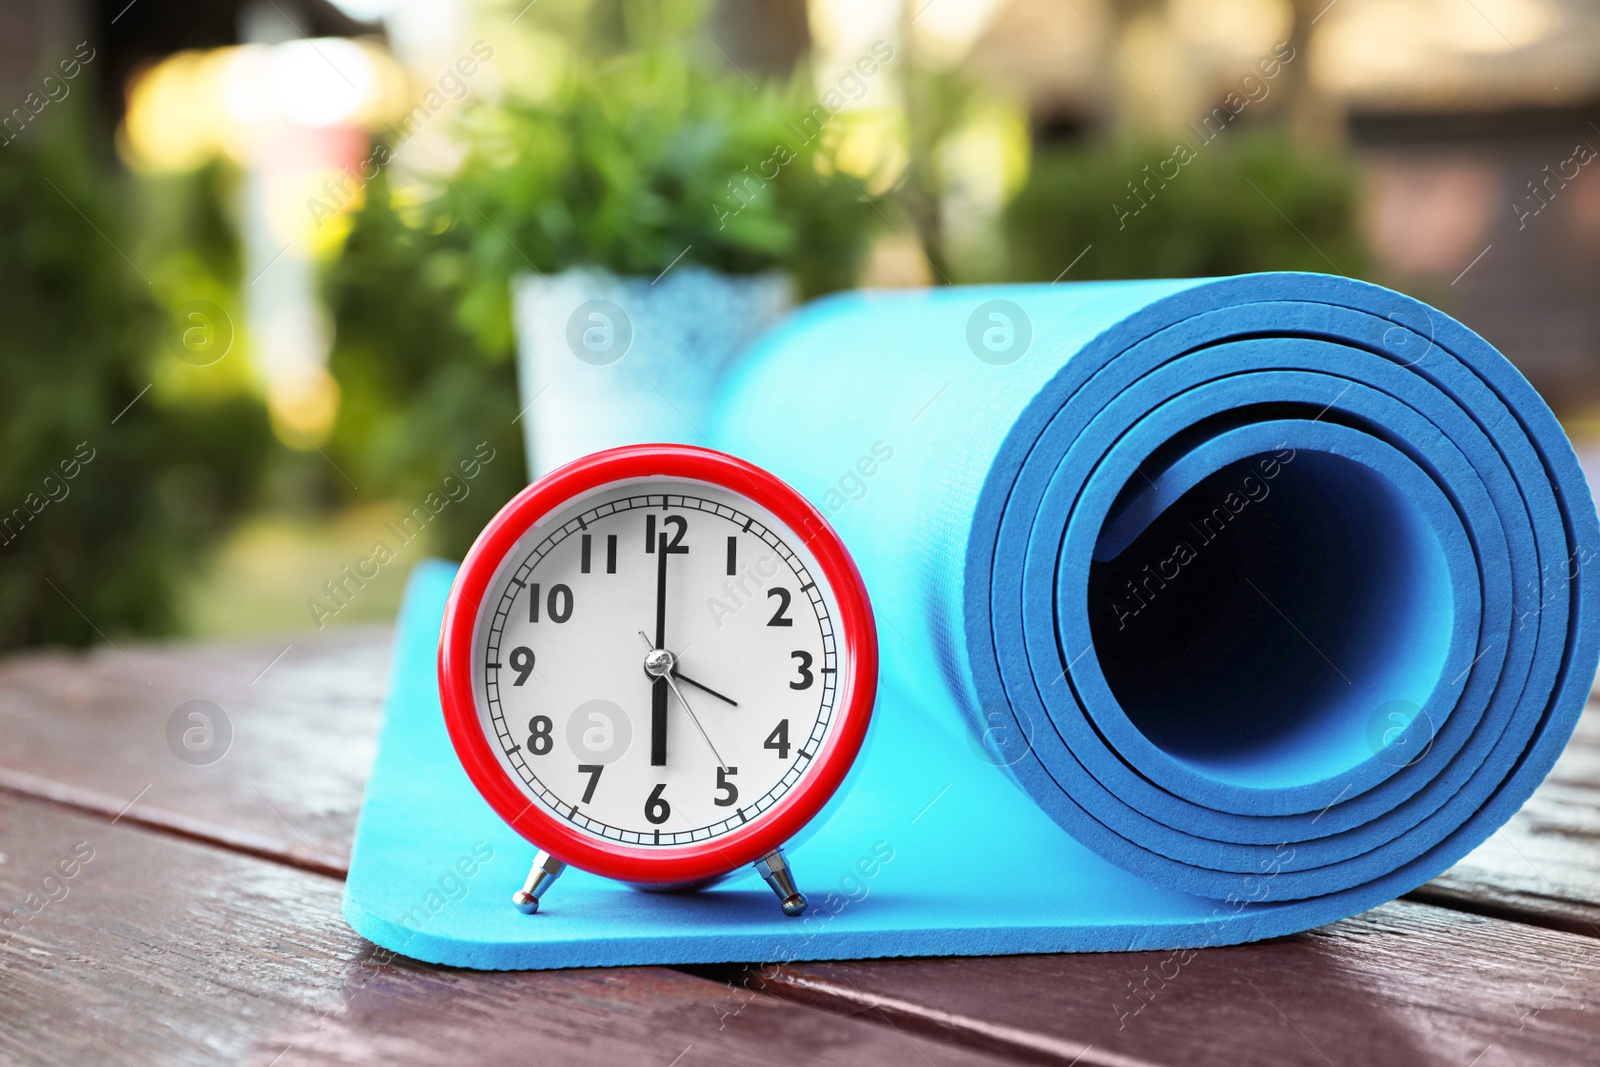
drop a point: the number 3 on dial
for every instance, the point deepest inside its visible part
(691, 652)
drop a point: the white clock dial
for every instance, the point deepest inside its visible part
(654, 697)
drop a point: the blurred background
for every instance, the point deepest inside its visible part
(257, 258)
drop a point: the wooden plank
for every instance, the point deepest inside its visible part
(86, 730)
(154, 950)
(1543, 866)
(91, 730)
(292, 787)
(1405, 983)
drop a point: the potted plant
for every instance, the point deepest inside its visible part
(645, 221)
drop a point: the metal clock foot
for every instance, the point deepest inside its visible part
(775, 870)
(546, 869)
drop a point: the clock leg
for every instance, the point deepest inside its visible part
(546, 869)
(775, 869)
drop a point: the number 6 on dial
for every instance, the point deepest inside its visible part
(658, 663)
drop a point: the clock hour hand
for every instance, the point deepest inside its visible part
(680, 676)
(658, 724)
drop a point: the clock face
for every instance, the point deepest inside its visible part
(657, 662)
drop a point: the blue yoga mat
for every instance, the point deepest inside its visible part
(1276, 586)
(930, 851)
(1272, 592)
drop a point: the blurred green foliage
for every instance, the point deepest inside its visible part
(419, 389)
(640, 154)
(1250, 202)
(936, 102)
(103, 505)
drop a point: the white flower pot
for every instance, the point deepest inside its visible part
(604, 360)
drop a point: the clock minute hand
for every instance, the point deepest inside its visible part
(658, 690)
(661, 593)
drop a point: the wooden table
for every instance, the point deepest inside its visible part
(200, 922)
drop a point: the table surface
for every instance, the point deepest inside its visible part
(200, 922)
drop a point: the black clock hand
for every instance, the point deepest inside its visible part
(661, 592)
(658, 691)
(680, 676)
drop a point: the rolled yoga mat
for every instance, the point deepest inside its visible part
(1273, 588)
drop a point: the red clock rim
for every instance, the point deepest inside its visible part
(696, 860)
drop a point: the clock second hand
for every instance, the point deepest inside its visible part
(695, 719)
(665, 674)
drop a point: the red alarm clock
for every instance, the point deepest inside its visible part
(658, 663)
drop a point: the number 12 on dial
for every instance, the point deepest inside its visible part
(658, 664)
